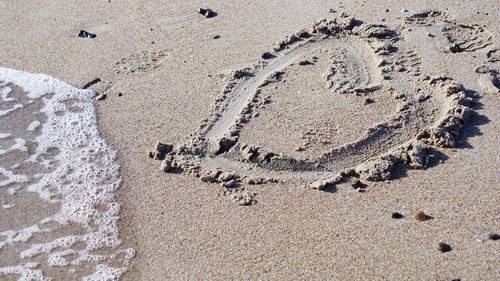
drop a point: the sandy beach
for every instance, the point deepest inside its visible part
(271, 140)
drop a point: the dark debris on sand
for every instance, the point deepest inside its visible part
(444, 247)
(397, 216)
(421, 216)
(86, 34)
(494, 236)
(368, 101)
(208, 13)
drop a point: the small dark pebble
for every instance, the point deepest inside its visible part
(397, 216)
(456, 279)
(207, 12)
(120, 94)
(86, 34)
(386, 10)
(216, 37)
(267, 55)
(368, 101)
(455, 48)
(444, 248)
(421, 216)
(493, 236)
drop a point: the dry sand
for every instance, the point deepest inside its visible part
(162, 71)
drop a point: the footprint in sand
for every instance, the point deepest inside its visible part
(141, 62)
(465, 38)
(490, 73)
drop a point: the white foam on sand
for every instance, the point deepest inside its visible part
(80, 177)
(33, 125)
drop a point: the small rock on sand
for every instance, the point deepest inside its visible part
(455, 48)
(444, 247)
(86, 34)
(397, 216)
(208, 13)
(494, 236)
(421, 216)
(151, 154)
(368, 101)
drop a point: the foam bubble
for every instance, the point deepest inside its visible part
(4, 95)
(27, 271)
(11, 177)
(33, 125)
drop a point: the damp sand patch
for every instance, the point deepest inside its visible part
(57, 178)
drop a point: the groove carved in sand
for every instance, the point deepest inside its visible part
(363, 61)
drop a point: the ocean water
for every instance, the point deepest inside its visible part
(58, 214)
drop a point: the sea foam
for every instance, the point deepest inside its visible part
(50, 146)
